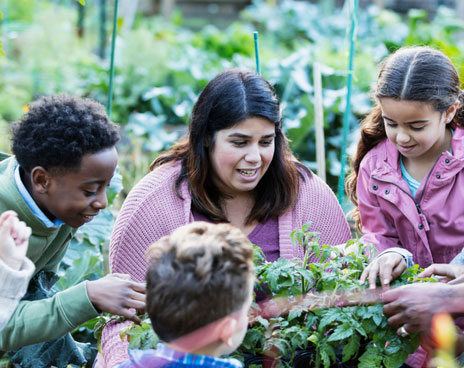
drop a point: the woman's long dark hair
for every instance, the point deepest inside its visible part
(228, 99)
(412, 74)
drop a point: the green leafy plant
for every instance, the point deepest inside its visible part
(319, 308)
(336, 321)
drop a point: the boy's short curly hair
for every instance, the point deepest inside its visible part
(57, 131)
(197, 275)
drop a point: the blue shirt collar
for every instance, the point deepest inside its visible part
(31, 203)
(179, 359)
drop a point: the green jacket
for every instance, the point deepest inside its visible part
(47, 319)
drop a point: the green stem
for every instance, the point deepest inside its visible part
(305, 264)
(113, 47)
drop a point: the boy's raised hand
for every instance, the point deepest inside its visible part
(14, 239)
(117, 294)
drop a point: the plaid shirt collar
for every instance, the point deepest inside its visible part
(189, 360)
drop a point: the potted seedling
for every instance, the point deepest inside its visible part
(324, 316)
(312, 312)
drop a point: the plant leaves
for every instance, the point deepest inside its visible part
(341, 332)
(327, 354)
(351, 347)
(372, 357)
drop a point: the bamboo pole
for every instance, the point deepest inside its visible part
(319, 121)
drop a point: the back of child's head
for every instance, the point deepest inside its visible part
(58, 131)
(199, 274)
(420, 74)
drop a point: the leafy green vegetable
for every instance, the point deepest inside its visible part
(337, 334)
(358, 333)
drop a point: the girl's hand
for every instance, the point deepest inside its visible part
(117, 294)
(449, 272)
(14, 239)
(388, 267)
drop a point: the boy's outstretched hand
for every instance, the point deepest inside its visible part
(14, 239)
(117, 294)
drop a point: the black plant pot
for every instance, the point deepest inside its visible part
(353, 362)
(262, 360)
(304, 358)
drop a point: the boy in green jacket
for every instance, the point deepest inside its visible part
(64, 158)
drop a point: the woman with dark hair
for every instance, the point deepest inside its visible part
(234, 166)
(408, 171)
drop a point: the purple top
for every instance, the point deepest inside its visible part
(264, 235)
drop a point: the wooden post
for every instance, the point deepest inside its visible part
(319, 121)
(460, 9)
(166, 8)
(460, 14)
(127, 11)
(380, 4)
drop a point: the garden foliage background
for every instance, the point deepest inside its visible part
(162, 65)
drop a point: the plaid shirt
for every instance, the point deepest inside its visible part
(166, 357)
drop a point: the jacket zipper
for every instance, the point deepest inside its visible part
(424, 221)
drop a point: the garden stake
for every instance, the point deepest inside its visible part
(113, 46)
(319, 121)
(346, 117)
(3, 30)
(102, 30)
(80, 19)
(255, 36)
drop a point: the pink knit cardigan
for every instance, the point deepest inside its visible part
(152, 209)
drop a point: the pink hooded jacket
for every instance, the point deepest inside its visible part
(431, 225)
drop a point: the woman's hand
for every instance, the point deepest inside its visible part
(413, 306)
(117, 294)
(388, 267)
(450, 272)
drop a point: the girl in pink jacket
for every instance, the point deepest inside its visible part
(408, 172)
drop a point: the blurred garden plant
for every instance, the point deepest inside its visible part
(162, 65)
(160, 68)
(444, 338)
